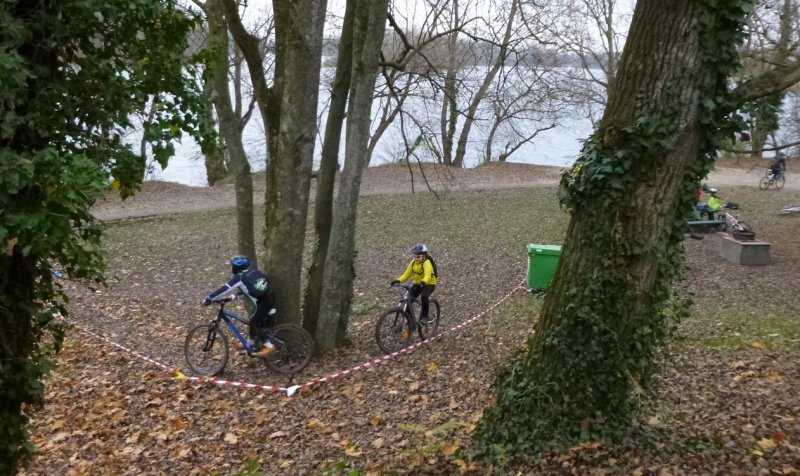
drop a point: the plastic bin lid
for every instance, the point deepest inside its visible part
(544, 249)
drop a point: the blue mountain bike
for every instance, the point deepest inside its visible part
(206, 347)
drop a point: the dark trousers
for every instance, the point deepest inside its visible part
(704, 209)
(424, 294)
(262, 319)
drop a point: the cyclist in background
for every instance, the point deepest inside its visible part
(778, 166)
(423, 272)
(253, 284)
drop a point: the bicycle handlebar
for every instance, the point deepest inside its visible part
(223, 301)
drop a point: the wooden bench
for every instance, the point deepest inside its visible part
(705, 222)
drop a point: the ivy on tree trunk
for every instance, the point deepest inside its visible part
(585, 371)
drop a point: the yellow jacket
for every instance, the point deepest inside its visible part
(714, 204)
(422, 272)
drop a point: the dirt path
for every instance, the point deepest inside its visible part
(159, 198)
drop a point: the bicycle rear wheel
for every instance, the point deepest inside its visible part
(779, 182)
(428, 329)
(393, 331)
(206, 349)
(294, 348)
(764, 183)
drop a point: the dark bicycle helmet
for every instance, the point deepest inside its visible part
(419, 249)
(239, 263)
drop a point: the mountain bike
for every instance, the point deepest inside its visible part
(771, 179)
(395, 327)
(206, 347)
(732, 222)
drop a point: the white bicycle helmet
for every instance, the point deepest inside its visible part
(419, 249)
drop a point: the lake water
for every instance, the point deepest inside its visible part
(558, 147)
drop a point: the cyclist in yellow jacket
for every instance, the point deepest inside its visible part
(714, 205)
(423, 271)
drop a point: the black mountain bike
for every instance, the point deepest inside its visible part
(206, 347)
(395, 327)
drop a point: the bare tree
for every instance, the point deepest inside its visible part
(592, 32)
(230, 122)
(368, 29)
(288, 109)
(522, 97)
(773, 40)
(326, 177)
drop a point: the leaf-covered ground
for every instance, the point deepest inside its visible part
(729, 396)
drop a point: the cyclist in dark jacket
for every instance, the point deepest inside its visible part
(778, 165)
(253, 284)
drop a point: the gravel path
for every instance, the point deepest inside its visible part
(158, 198)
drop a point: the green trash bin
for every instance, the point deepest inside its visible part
(542, 262)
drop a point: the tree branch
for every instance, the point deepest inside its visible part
(769, 83)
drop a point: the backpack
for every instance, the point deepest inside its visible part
(433, 265)
(257, 284)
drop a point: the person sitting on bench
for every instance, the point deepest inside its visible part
(713, 206)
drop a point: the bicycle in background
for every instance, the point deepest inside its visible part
(395, 327)
(772, 179)
(206, 347)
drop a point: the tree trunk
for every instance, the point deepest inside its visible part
(337, 294)
(266, 97)
(229, 128)
(298, 32)
(326, 179)
(605, 316)
(21, 373)
(214, 159)
(449, 119)
(449, 113)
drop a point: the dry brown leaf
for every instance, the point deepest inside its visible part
(450, 448)
(778, 436)
(766, 443)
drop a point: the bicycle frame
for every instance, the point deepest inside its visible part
(405, 303)
(229, 318)
(732, 221)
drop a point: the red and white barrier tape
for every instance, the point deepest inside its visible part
(177, 374)
(406, 350)
(317, 381)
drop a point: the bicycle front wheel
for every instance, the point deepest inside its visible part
(393, 331)
(294, 348)
(764, 183)
(206, 349)
(780, 181)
